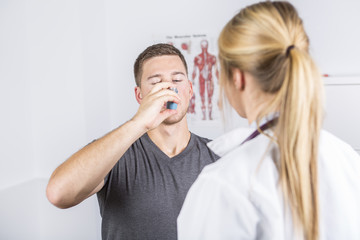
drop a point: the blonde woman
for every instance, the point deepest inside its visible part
(287, 178)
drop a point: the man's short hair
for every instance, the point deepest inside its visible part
(156, 50)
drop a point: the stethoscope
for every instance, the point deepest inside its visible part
(263, 127)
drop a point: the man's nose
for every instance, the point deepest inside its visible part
(167, 79)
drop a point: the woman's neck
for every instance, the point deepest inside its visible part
(256, 103)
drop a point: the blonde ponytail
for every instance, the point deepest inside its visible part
(268, 41)
(297, 134)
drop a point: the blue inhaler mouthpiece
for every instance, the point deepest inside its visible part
(172, 105)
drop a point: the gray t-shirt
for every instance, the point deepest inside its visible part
(145, 190)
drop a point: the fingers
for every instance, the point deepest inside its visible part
(152, 110)
(162, 86)
(162, 91)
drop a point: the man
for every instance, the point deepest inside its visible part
(142, 170)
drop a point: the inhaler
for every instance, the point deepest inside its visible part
(172, 105)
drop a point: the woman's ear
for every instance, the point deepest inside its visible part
(138, 95)
(238, 78)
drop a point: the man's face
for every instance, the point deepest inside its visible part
(167, 68)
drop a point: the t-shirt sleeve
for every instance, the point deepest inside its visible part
(213, 210)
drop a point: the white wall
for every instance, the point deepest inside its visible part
(54, 94)
(334, 35)
(342, 114)
(334, 38)
(26, 214)
(16, 160)
(66, 78)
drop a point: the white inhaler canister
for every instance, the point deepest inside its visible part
(172, 105)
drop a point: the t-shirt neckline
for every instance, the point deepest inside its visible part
(162, 155)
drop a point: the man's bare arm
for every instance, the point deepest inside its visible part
(83, 173)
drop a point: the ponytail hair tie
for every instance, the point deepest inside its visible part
(288, 50)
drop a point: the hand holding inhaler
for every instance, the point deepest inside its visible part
(172, 105)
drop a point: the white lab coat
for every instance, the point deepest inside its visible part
(238, 197)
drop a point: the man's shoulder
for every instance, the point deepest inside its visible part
(201, 143)
(144, 141)
(200, 139)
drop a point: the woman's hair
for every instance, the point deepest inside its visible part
(268, 41)
(156, 50)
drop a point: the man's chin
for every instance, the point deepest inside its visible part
(173, 119)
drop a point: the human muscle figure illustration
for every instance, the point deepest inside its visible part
(205, 62)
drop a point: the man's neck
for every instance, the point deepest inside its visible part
(171, 139)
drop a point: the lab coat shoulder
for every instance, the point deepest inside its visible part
(338, 162)
(339, 188)
(228, 188)
(332, 147)
(237, 157)
(214, 210)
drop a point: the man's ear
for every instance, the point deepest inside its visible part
(191, 90)
(238, 78)
(138, 95)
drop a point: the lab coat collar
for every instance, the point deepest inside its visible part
(229, 141)
(233, 139)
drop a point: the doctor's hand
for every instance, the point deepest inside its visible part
(152, 111)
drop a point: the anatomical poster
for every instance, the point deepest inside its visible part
(200, 52)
